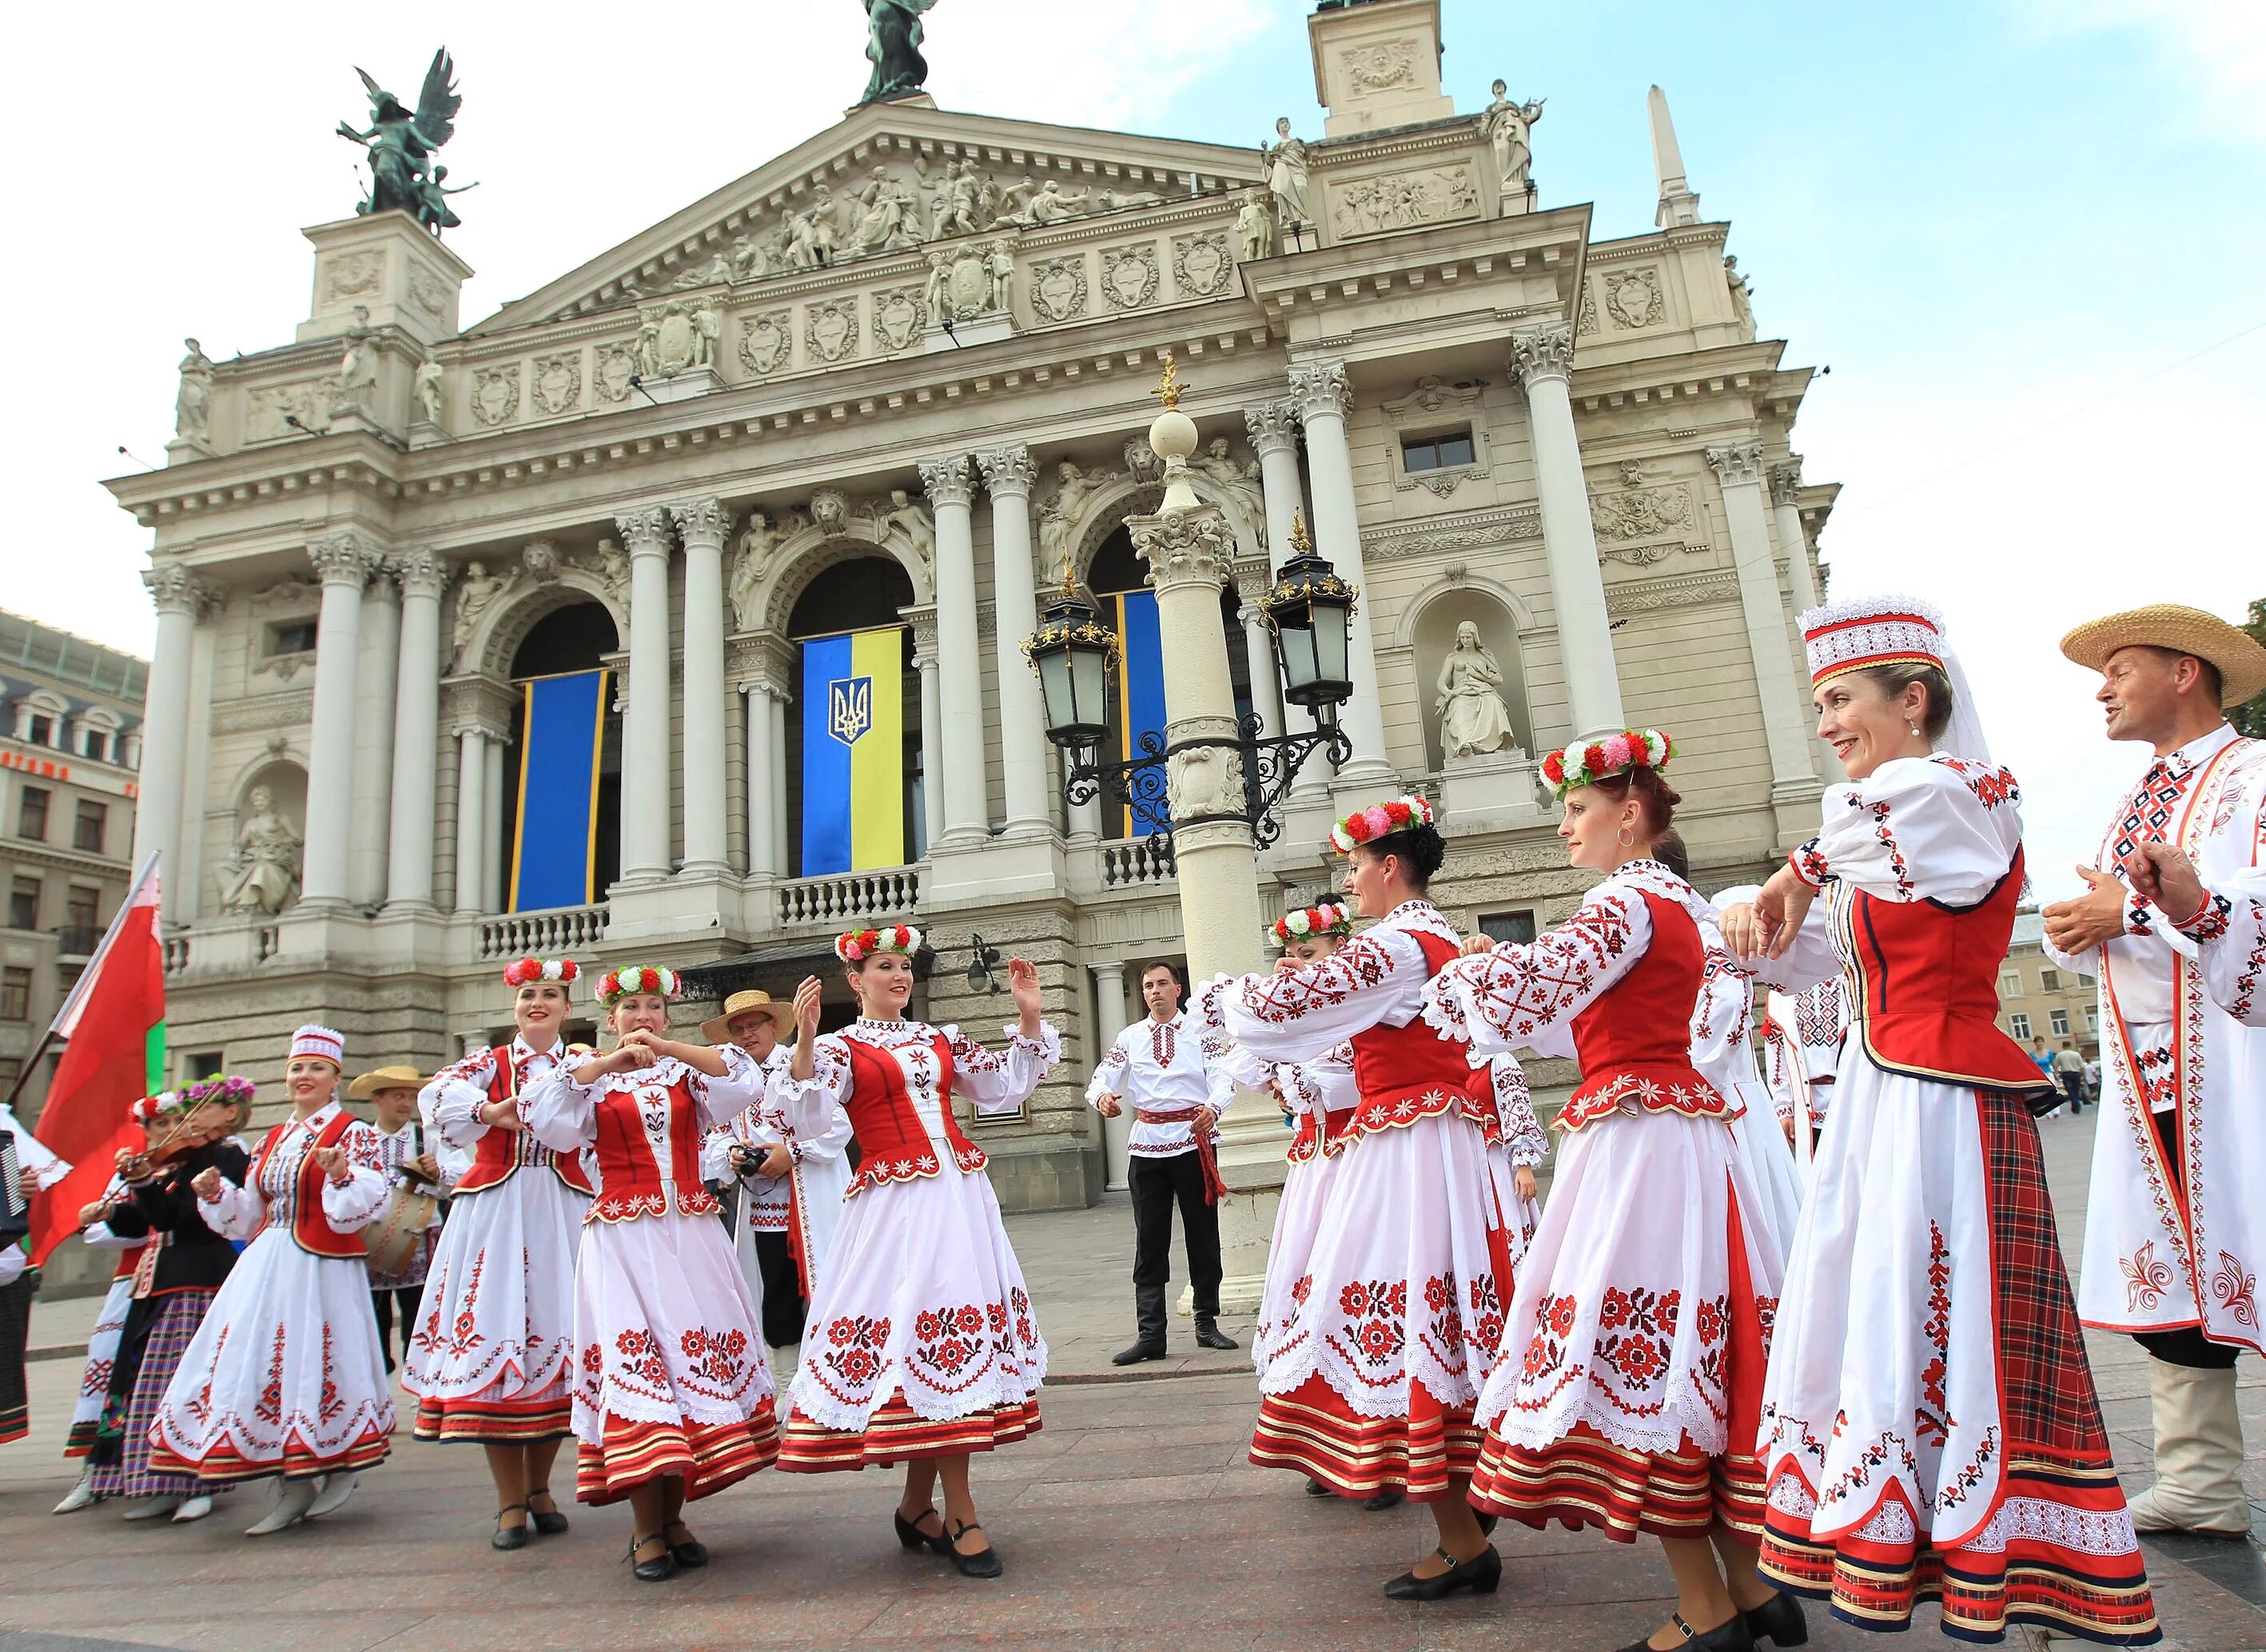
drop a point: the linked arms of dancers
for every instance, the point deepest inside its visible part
(2224, 929)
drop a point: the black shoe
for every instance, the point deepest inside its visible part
(509, 1537)
(1479, 1573)
(1138, 1352)
(659, 1569)
(1778, 1620)
(909, 1531)
(1730, 1635)
(548, 1522)
(1488, 1524)
(984, 1562)
(691, 1551)
(1315, 1488)
(1210, 1335)
(1149, 1326)
(1391, 1498)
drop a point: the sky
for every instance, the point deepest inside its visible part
(2024, 235)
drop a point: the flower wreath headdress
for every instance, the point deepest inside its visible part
(226, 1090)
(1328, 918)
(861, 944)
(1602, 759)
(520, 971)
(617, 984)
(1379, 820)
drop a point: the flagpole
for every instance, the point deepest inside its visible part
(23, 1075)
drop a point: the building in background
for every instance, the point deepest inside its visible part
(2037, 998)
(70, 745)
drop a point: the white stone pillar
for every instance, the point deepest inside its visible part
(1109, 1021)
(645, 726)
(923, 620)
(703, 524)
(1008, 474)
(960, 689)
(1739, 468)
(1543, 358)
(1322, 392)
(166, 737)
(1793, 540)
(500, 798)
(779, 826)
(416, 733)
(374, 679)
(345, 561)
(1259, 660)
(1274, 427)
(471, 816)
(762, 838)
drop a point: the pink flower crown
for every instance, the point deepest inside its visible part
(1328, 918)
(522, 971)
(617, 984)
(227, 1091)
(1602, 759)
(1379, 820)
(861, 944)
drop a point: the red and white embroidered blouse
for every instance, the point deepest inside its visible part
(645, 1128)
(275, 1197)
(451, 1103)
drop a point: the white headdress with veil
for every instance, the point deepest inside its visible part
(1866, 631)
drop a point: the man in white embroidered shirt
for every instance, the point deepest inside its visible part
(1157, 1067)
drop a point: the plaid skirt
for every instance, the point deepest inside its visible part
(127, 1416)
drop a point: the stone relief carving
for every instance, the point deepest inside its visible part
(432, 390)
(613, 572)
(907, 515)
(829, 511)
(1403, 200)
(1633, 298)
(555, 384)
(679, 336)
(1142, 462)
(357, 374)
(289, 594)
(356, 274)
(260, 876)
(899, 315)
(767, 341)
(1128, 276)
(1238, 480)
(1058, 287)
(1481, 530)
(830, 329)
(1200, 264)
(480, 592)
(495, 394)
(1468, 699)
(1432, 395)
(1206, 781)
(1635, 512)
(249, 715)
(428, 291)
(268, 417)
(1588, 321)
(974, 278)
(1370, 69)
(540, 558)
(610, 378)
(1688, 590)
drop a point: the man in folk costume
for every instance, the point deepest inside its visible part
(2176, 1234)
(1178, 1093)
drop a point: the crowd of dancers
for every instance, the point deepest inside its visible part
(1794, 1305)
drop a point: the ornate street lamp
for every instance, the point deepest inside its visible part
(1309, 614)
(1074, 655)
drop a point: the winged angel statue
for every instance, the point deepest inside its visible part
(401, 144)
(893, 42)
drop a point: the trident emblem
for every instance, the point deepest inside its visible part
(849, 708)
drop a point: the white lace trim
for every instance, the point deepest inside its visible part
(1368, 1397)
(1007, 1386)
(2035, 1520)
(1685, 1418)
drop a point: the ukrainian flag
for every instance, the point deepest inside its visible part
(853, 752)
(1140, 683)
(554, 853)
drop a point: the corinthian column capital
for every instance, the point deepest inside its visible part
(1786, 482)
(1274, 427)
(645, 532)
(1320, 389)
(174, 589)
(1738, 462)
(421, 573)
(1543, 351)
(1008, 470)
(1184, 547)
(344, 558)
(702, 522)
(946, 481)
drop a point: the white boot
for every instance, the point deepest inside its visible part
(156, 1509)
(2198, 1454)
(293, 1498)
(80, 1495)
(195, 1508)
(783, 1361)
(336, 1489)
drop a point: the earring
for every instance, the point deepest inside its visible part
(1628, 838)
(1913, 729)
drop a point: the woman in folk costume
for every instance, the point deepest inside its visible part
(102, 1342)
(1723, 1051)
(183, 1264)
(492, 1360)
(1398, 1308)
(672, 1398)
(1632, 1368)
(922, 1347)
(285, 1377)
(1930, 1427)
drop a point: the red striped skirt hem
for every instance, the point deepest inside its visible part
(895, 1433)
(1585, 1480)
(80, 1441)
(223, 1465)
(453, 1420)
(1312, 1430)
(706, 1457)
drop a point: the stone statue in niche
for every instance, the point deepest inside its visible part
(193, 402)
(480, 592)
(1238, 481)
(1511, 128)
(911, 518)
(1473, 721)
(260, 876)
(430, 390)
(1255, 228)
(358, 367)
(750, 562)
(1285, 160)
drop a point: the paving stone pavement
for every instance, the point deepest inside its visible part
(1132, 1519)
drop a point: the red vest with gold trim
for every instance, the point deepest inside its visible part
(631, 1182)
(893, 1143)
(1635, 1039)
(1407, 1073)
(499, 1153)
(310, 1229)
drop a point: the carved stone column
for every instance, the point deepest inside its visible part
(1008, 474)
(472, 817)
(703, 525)
(1274, 427)
(960, 687)
(375, 678)
(1259, 661)
(344, 561)
(1739, 468)
(766, 763)
(1109, 1021)
(1793, 541)
(1543, 358)
(416, 733)
(1322, 392)
(165, 744)
(922, 618)
(645, 726)
(492, 870)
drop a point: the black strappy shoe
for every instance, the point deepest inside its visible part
(659, 1569)
(510, 1537)
(1779, 1621)
(984, 1562)
(909, 1532)
(1730, 1635)
(549, 1521)
(691, 1551)
(1479, 1573)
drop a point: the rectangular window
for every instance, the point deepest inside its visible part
(2019, 1025)
(15, 995)
(24, 904)
(2050, 980)
(2058, 1020)
(96, 744)
(2085, 981)
(2010, 984)
(43, 731)
(1437, 453)
(9, 1068)
(2093, 1021)
(203, 1065)
(32, 813)
(80, 907)
(92, 826)
(1515, 927)
(291, 636)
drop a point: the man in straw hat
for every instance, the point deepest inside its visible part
(2175, 1231)
(421, 1171)
(790, 1186)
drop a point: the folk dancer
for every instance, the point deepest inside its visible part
(101, 1342)
(1930, 1426)
(27, 1165)
(922, 1347)
(2176, 1225)
(1630, 1373)
(416, 1182)
(1398, 1309)
(1723, 1049)
(1178, 1094)
(1803, 1034)
(182, 1263)
(284, 1376)
(673, 1401)
(492, 1362)
(788, 1188)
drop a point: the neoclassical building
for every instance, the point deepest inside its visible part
(897, 380)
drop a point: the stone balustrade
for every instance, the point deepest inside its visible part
(893, 892)
(555, 934)
(1137, 862)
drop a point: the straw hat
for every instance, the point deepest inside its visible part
(717, 1029)
(2241, 661)
(385, 1078)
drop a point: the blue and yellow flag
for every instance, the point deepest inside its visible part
(853, 752)
(1140, 685)
(554, 858)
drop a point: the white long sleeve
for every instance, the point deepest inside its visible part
(1524, 1141)
(2229, 937)
(562, 1114)
(1376, 979)
(1513, 997)
(353, 1203)
(1917, 828)
(236, 1212)
(1000, 1080)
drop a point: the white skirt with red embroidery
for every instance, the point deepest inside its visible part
(1770, 1162)
(1298, 1218)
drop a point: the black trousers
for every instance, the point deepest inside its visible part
(2187, 1346)
(382, 1303)
(1157, 1184)
(783, 1304)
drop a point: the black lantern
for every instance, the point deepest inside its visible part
(1310, 611)
(1073, 653)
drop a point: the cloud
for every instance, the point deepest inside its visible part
(2218, 46)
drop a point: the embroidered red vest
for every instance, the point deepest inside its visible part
(1407, 1073)
(1634, 1040)
(310, 1229)
(893, 1143)
(1923, 981)
(631, 1181)
(501, 1153)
